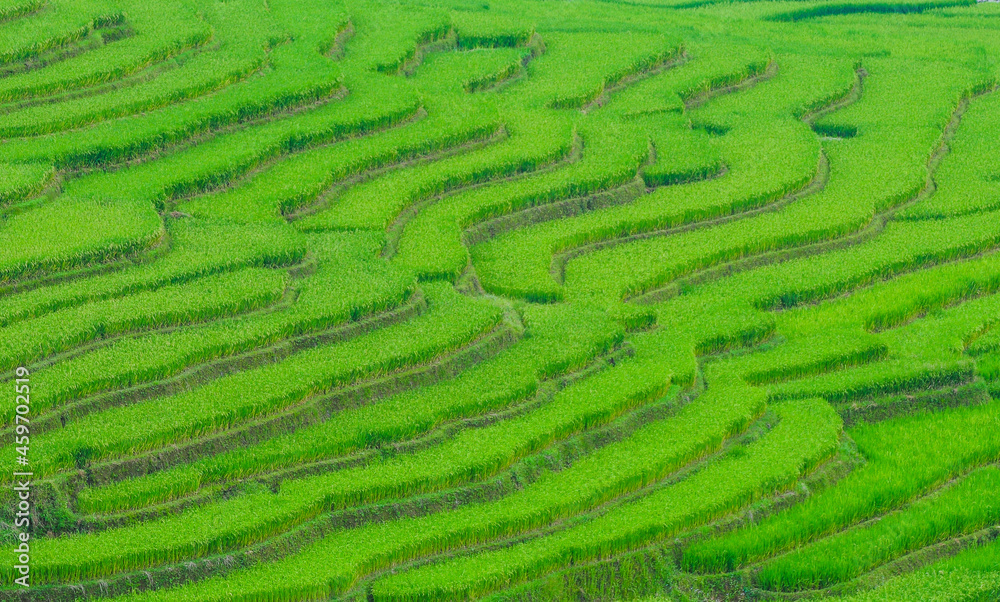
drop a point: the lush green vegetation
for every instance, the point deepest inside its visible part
(539, 300)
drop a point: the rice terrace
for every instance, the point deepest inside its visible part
(520, 300)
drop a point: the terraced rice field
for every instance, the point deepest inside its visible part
(519, 300)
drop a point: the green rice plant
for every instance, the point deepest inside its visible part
(300, 179)
(196, 248)
(927, 350)
(642, 458)
(988, 367)
(17, 9)
(897, 301)
(838, 7)
(532, 144)
(300, 75)
(687, 157)
(431, 243)
(706, 66)
(798, 209)
(519, 263)
(760, 171)
(153, 43)
(207, 166)
(26, 341)
(966, 181)
(856, 163)
(553, 345)
(807, 355)
(64, 24)
(986, 342)
(200, 74)
(966, 506)
(377, 202)
(807, 434)
(822, 336)
(476, 69)
(19, 181)
(347, 285)
(238, 398)
(578, 67)
(472, 454)
(878, 378)
(237, 58)
(969, 575)
(490, 30)
(935, 585)
(907, 456)
(508, 441)
(901, 247)
(951, 328)
(977, 558)
(71, 233)
(303, 178)
(804, 84)
(388, 38)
